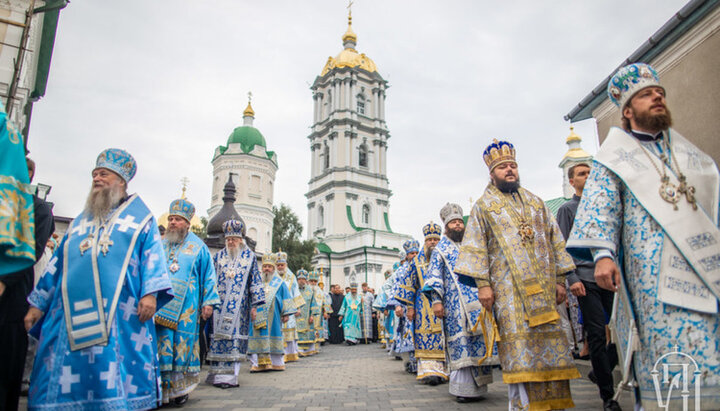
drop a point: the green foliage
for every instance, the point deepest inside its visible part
(286, 236)
(201, 231)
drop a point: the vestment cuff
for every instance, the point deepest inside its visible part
(599, 253)
(482, 282)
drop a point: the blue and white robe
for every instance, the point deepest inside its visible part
(404, 328)
(121, 372)
(609, 212)
(463, 346)
(240, 288)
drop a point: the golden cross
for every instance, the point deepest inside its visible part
(495, 207)
(249, 96)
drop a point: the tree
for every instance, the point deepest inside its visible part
(286, 236)
(201, 231)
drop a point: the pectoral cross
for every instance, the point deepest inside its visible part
(105, 243)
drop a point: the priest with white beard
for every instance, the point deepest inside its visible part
(241, 290)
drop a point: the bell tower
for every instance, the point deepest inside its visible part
(348, 195)
(348, 187)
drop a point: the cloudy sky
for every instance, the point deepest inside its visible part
(167, 81)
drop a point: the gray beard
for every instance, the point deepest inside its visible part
(267, 277)
(176, 236)
(100, 203)
(233, 252)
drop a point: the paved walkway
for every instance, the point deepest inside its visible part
(358, 377)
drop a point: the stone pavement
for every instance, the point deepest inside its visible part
(357, 377)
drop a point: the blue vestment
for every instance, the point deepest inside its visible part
(17, 215)
(178, 323)
(266, 333)
(121, 370)
(239, 287)
(351, 311)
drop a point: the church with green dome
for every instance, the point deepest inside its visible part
(253, 168)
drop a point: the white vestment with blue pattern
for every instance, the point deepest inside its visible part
(240, 288)
(610, 213)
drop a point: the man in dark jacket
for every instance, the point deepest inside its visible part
(595, 302)
(14, 289)
(334, 326)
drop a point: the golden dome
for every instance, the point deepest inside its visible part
(573, 136)
(575, 151)
(349, 57)
(249, 112)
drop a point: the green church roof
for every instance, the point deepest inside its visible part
(554, 204)
(248, 137)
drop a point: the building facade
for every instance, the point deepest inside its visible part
(27, 39)
(253, 170)
(348, 196)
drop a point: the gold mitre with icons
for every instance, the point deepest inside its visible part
(499, 152)
(269, 258)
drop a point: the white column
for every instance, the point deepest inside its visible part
(338, 95)
(353, 92)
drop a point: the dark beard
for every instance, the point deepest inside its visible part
(508, 186)
(647, 121)
(455, 236)
(176, 236)
(100, 203)
(428, 252)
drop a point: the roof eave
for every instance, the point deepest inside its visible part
(678, 25)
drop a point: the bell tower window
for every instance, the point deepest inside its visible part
(361, 104)
(366, 215)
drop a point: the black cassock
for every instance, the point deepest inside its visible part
(334, 325)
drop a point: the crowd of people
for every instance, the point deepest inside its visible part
(118, 311)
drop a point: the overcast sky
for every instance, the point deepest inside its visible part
(167, 81)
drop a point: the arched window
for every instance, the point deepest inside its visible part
(361, 104)
(326, 155)
(321, 216)
(363, 155)
(366, 214)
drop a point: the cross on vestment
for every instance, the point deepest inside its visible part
(109, 375)
(629, 157)
(141, 339)
(82, 227)
(126, 222)
(495, 207)
(150, 370)
(51, 266)
(67, 379)
(129, 387)
(91, 352)
(151, 260)
(128, 308)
